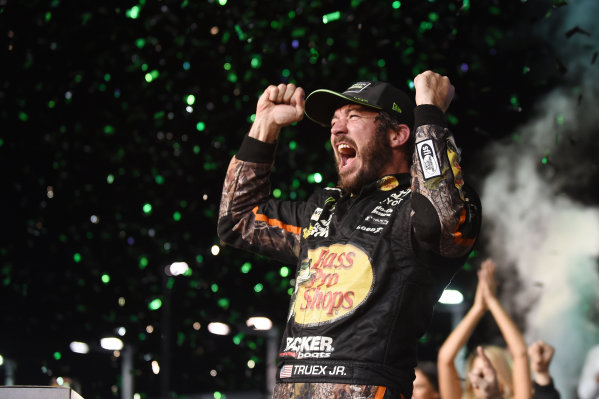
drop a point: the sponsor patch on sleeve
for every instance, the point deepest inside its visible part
(428, 159)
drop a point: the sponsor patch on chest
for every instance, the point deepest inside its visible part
(317, 347)
(380, 216)
(318, 227)
(331, 283)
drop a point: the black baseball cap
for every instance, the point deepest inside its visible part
(382, 96)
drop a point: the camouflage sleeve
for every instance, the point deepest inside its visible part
(445, 214)
(249, 219)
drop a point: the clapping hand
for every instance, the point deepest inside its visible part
(484, 378)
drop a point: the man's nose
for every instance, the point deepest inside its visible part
(339, 127)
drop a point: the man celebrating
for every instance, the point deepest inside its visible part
(374, 254)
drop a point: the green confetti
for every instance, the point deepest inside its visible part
(155, 304)
(224, 303)
(334, 16)
(246, 267)
(143, 262)
(133, 12)
(256, 61)
(238, 338)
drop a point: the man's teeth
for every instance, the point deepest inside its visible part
(343, 148)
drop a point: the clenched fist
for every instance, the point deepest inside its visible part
(278, 106)
(432, 88)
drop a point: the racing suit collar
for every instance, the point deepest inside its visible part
(385, 183)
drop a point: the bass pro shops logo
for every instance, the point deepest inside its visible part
(332, 283)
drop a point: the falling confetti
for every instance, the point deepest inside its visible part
(118, 125)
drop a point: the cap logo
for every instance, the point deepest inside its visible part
(357, 87)
(361, 99)
(396, 108)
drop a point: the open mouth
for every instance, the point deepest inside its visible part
(347, 155)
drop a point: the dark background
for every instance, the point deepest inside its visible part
(86, 131)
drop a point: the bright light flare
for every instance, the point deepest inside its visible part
(111, 344)
(451, 297)
(259, 323)
(79, 347)
(155, 367)
(217, 328)
(177, 268)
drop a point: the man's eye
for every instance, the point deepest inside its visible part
(353, 117)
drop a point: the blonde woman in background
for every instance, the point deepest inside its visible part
(492, 372)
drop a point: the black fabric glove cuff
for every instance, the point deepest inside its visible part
(428, 114)
(257, 151)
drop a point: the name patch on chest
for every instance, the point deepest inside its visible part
(313, 370)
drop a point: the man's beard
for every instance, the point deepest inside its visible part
(374, 157)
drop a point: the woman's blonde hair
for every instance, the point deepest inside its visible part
(502, 363)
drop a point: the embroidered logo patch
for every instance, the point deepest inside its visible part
(286, 371)
(315, 370)
(357, 87)
(387, 183)
(396, 108)
(428, 159)
(332, 283)
(312, 346)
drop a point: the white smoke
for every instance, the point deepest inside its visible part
(534, 221)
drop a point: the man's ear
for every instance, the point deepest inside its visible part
(399, 137)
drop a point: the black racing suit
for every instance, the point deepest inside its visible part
(370, 266)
